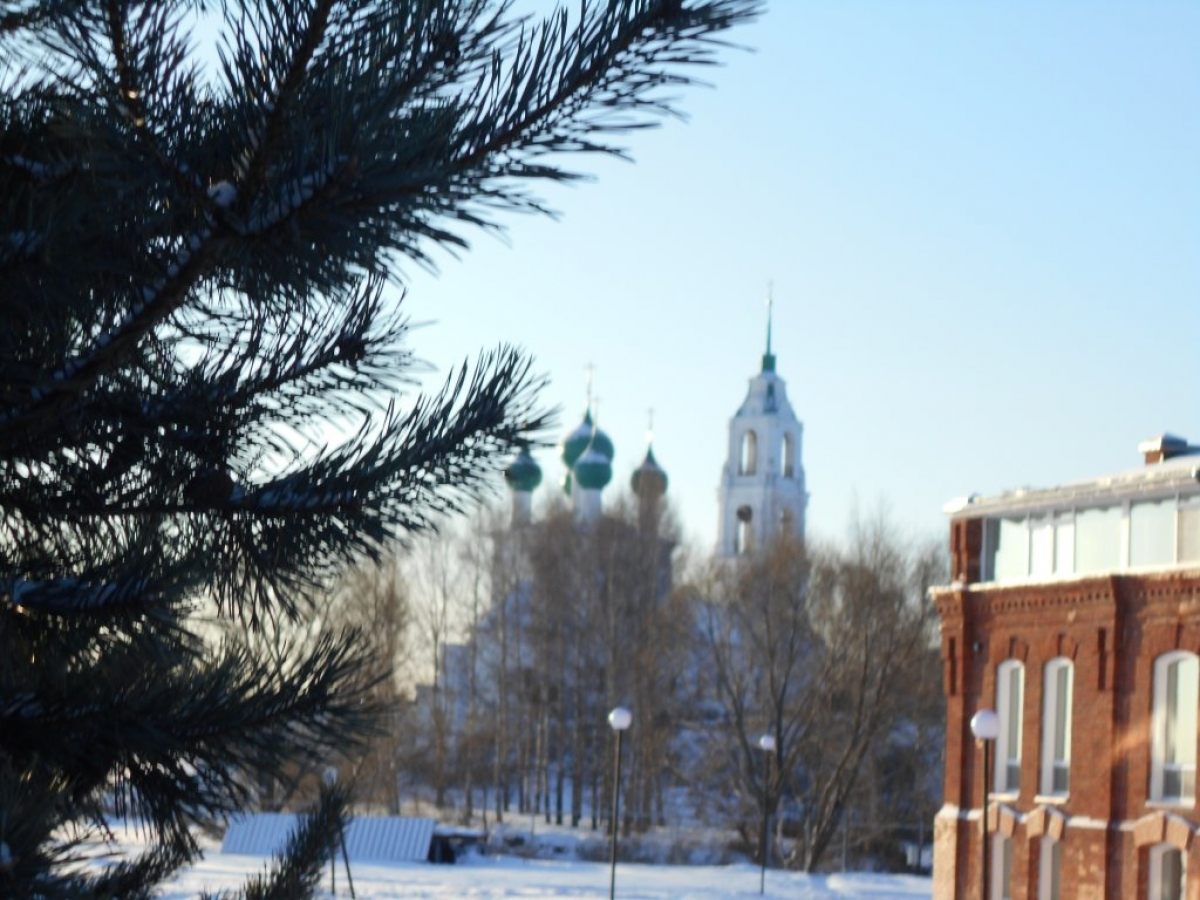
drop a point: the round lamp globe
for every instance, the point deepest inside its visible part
(620, 719)
(985, 725)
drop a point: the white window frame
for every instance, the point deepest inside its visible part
(1008, 745)
(1157, 852)
(1158, 735)
(1002, 852)
(1050, 718)
(1049, 859)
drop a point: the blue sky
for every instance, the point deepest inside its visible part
(981, 221)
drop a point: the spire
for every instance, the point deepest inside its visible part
(768, 360)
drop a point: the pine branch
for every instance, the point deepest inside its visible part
(296, 871)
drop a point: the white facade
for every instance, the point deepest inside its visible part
(762, 484)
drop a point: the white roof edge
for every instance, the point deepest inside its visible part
(1181, 474)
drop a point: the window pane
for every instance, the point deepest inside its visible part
(1012, 776)
(1061, 781)
(1055, 873)
(1013, 744)
(1171, 742)
(1172, 783)
(1006, 857)
(1041, 547)
(1064, 544)
(1152, 533)
(1189, 532)
(1002, 868)
(1062, 710)
(1185, 720)
(1098, 540)
(1012, 550)
(1172, 875)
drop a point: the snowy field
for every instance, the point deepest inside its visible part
(510, 877)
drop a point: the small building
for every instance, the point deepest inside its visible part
(1075, 614)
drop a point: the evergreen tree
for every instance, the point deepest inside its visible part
(192, 273)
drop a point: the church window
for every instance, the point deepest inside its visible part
(744, 536)
(788, 455)
(748, 463)
(787, 521)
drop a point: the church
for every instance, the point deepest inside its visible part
(761, 490)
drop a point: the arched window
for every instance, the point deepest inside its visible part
(744, 536)
(1168, 873)
(1049, 869)
(1010, 708)
(787, 453)
(1173, 728)
(1057, 689)
(1002, 867)
(748, 461)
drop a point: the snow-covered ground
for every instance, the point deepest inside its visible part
(508, 877)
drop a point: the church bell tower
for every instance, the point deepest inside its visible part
(762, 484)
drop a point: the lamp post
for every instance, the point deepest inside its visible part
(618, 720)
(330, 777)
(985, 725)
(766, 744)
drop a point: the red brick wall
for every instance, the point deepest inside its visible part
(1113, 628)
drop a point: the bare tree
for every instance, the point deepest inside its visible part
(373, 599)
(814, 647)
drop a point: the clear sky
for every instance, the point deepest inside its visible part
(982, 221)
(983, 226)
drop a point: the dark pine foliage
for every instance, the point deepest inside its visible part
(192, 270)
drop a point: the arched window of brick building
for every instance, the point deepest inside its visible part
(1049, 869)
(1010, 704)
(1057, 690)
(1173, 728)
(1168, 873)
(1002, 868)
(748, 461)
(787, 453)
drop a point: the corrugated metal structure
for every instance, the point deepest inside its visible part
(369, 839)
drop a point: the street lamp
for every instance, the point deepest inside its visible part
(766, 744)
(985, 725)
(330, 777)
(618, 720)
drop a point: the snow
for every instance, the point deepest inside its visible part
(483, 877)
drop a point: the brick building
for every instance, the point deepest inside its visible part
(1075, 615)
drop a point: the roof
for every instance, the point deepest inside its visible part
(1178, 475)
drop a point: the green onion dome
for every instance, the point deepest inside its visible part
(649, 479)
(593, 470)
(585, 436)
(523, 474)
